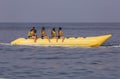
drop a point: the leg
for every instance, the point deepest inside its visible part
(35, 38)
(46, 37)
(63, 38)
(56, 38)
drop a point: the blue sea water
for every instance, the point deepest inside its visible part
(38, 62)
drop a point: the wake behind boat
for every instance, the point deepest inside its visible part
(80, 41)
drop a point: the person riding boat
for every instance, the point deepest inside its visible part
(60, 34)
(32, 34)
(44, 34)
(54, 34)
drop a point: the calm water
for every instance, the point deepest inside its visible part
(35, 62)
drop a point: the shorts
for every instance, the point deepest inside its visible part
(29, 36)
(58, 37)
(42, 37)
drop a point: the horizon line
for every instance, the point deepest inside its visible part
(58, 22)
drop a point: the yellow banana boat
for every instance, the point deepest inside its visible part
(80, 41)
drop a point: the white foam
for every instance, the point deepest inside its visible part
(116, 46)
(5, 44)
(111, 46)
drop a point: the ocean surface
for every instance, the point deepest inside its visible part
(38, 62)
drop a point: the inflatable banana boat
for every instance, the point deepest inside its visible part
(94, 41)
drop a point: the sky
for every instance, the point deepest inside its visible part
(59, 11)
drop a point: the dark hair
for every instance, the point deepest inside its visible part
(43, 28)
(53, 29)
(33, 27)
(60, 28)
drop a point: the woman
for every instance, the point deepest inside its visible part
(61, 34)
(54, 34)
(44, 34)
(32, 34)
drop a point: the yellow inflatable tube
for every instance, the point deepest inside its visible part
(80, 41)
